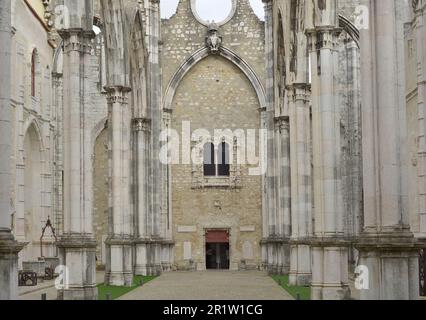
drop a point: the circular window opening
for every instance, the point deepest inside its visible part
(217, 11)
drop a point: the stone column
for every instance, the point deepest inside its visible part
(301, 180)
(387, 246)
(118, 18)
(142, 127)
(120, 240)
(9, 248)
(283, 194)
(58, 153)
(420, 18)
(298, 95)
(271, 208)
(77, 243)
(329, 248)
(155, 114)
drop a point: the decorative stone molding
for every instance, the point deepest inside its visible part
(8, 245)
(213, 39)
(76, 241)
(199, 181)
(48, 13)
(119, 241)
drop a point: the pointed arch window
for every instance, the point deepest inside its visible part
(33, 73)
(209, 160)
(216, 163)
(223, 166)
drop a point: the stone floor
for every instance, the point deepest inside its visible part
(210, 285)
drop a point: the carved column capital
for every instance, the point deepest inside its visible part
(141, 125)
(117, 94)
(282, 124)
(77, 39)
(323, 38)
(302, 92)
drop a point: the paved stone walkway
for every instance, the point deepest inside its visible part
(48, 288)
(210, 285)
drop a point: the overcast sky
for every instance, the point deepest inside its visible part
(216, 10)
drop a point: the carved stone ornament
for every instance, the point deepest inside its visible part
(213, 39)
(415, 3)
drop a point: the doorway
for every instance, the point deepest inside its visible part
(217, 250)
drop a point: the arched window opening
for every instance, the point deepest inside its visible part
(209, 160)
(214, 11)
(281, 58)
(294, 40)
(223, 166)
(33, 73)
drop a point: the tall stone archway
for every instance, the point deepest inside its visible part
(215, 94)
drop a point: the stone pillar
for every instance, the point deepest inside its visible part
(283, 194)
(142, 128)
(58, 153)
(387, 246)
(77, 244)
(420, 18)
(351, 140)
(301, 180)
(329, 248)
(120, 240)
(9, 248)
(271, 208)
(157, 168)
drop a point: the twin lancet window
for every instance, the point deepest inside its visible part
(216, 163)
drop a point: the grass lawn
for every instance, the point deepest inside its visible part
(304, 292)
(117, 292)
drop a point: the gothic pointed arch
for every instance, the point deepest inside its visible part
(137, 57)
(202, 54)
(32, 215)
(32, 122)
(350, 29)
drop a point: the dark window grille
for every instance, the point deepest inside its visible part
(209, 160)
(223, 167)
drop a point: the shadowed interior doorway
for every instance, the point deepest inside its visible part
(217, 250)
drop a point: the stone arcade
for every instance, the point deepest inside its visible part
(338, 86)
